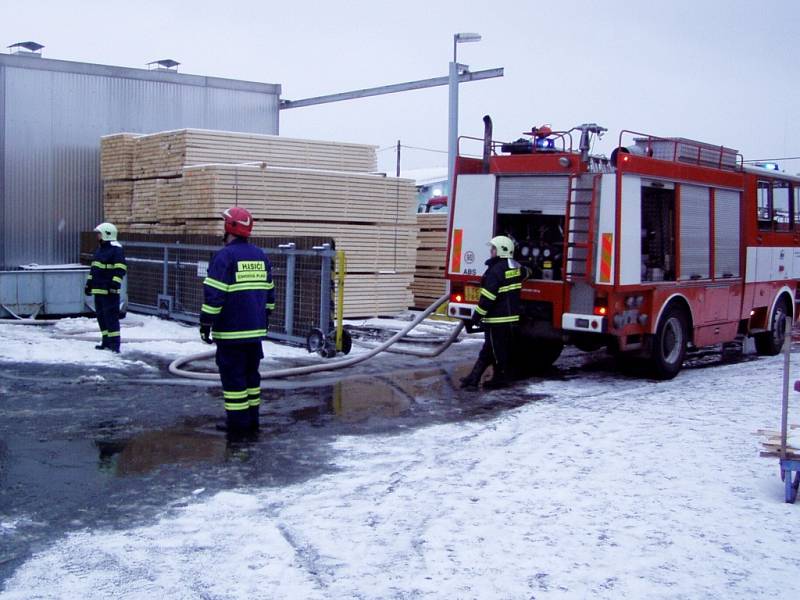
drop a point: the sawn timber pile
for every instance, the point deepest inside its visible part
(429, 277)
(180, 182)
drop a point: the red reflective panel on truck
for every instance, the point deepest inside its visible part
(458, 238)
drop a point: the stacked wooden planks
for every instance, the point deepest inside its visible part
(429, 277)
(182, 180)
(772, 444)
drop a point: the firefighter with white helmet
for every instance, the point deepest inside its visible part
(238, 297)
(498, 311)
(105, 280)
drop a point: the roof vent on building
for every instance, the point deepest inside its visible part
(165, 64)
(26, 49)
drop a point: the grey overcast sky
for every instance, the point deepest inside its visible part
(719, 71)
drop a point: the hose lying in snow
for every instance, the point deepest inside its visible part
(433, 353)
(175, 366)
(40, 322)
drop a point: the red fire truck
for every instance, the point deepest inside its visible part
(668, 244)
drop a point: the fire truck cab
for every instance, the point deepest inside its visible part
(670, 243)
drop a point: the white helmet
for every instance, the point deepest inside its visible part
(107, 231)
(504, 246)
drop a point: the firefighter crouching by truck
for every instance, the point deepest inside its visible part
(499, 311)
(105, 279)
(238, 297)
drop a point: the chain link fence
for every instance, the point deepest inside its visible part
(165, 278)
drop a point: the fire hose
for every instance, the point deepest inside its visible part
(176, 366)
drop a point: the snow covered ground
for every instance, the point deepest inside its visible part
(602, 486)
(140, 335)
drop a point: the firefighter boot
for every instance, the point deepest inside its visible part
(474, 378)
(499, 379)
(254, 418)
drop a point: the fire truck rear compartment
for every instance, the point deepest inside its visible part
(531, 210)
(539, 242)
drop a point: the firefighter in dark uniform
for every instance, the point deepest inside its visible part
(104, 282)
(238, 297)
(499, 311)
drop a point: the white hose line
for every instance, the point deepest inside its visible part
(432, 353)
(39, 322)
(175, 366)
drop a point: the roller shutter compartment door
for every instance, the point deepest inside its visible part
(695, 232)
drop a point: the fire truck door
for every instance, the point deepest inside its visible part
(473, 224)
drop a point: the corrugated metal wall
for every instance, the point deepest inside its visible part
(51, 120)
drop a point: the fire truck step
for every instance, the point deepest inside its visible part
(578, 245)
(579, 231)
(582, 189)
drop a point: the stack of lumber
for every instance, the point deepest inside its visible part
(429, 277)
(165, 154)
(772, 443)
(180, 182)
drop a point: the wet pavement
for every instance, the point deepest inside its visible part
(100, 448)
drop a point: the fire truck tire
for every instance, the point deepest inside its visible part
(770, 342)
(534, 355)
(669, 343)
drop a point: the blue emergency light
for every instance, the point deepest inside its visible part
(544, 144)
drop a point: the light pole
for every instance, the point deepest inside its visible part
(452, 130)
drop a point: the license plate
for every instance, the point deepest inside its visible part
(472, 293)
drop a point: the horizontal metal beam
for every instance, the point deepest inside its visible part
(391, 89)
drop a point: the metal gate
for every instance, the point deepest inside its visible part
(166, 279)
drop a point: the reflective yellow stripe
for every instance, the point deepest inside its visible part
(512, 319)
(271, 306)
(270, 285)
(244, 287)
(228, 395)
(99, 292)
(512, 273)
(239, 335)
(510, 287)
(480, 310)
(104, 333)
(237, 405)
(116, 279)
(254, 402)
(488, 294)
(223, 287)
(101, 265)
(113, 334)
(211, 310)
(252, 391)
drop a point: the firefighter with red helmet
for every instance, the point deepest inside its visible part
(498, 311)
(103, 284)
(238, 297)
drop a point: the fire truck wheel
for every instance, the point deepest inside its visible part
(770, 342)
(532, 355)
(669, 343)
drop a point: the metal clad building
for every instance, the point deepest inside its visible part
(52, 115)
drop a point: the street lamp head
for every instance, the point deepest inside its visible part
(461, 38)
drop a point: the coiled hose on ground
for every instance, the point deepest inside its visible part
(175, 366)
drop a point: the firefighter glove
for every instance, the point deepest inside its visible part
(476, 319)
(87, 291)
(205, 333)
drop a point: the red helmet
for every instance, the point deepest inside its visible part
(238, 221)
